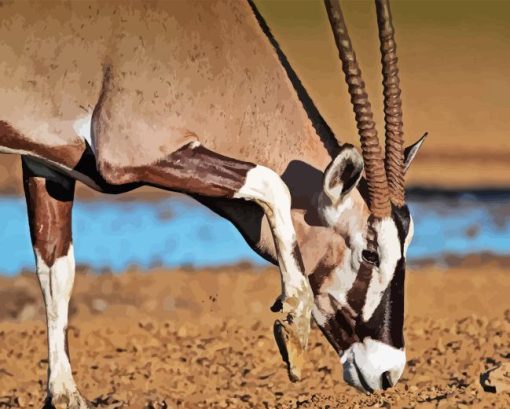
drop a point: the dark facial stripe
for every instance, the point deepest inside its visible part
(357, 294)
(319, 275)
(397, 305)
(340, 329)
(387, 322)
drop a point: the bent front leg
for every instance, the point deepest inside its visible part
(196, 170)
(49, 198)
(266, 188)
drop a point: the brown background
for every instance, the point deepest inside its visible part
(455, 65)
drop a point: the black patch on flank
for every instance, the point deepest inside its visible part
(87, 165)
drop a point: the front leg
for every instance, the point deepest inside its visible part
(266, 188)
(195, 170)
(49, 198)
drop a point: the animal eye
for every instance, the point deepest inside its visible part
(370, 257)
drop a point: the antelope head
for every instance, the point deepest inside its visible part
(358, 283)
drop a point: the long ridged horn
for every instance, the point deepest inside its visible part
(394, 158)
(371, 151)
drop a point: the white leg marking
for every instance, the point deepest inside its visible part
(265, 187)
(57, 283)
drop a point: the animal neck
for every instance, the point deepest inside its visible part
(302, 145)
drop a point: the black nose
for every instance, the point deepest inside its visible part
(386, 380)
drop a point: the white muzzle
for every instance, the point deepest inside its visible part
(372, 365)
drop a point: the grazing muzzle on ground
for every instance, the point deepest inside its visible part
(373, 365)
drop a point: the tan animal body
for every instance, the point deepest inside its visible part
(197, 97)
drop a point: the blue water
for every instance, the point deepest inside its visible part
(459, 227)
(113, 235)
(116, 234)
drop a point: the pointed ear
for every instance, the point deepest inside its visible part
(411, 151)
(343, 174)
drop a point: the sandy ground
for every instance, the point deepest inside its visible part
(195, 339)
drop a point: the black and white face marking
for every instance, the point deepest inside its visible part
(359, 284)
(377, 359)
(360, 308)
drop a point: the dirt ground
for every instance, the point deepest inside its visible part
(203, 339)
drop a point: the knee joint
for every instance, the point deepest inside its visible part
(264, 185)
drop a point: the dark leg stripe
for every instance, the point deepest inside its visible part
(49, 205)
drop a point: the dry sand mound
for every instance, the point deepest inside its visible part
(193, 339)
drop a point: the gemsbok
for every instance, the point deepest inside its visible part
(198, 97)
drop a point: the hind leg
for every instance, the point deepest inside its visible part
(49, 198)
